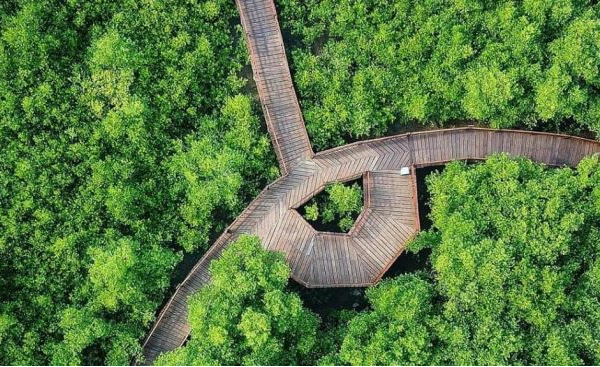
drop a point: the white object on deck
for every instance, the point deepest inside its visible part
(405, 171)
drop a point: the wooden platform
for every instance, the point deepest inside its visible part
(390, 216)
(388, 221)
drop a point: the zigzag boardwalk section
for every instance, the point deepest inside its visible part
(388, 222)
(274, 82)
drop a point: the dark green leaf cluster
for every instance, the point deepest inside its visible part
(366, 67)
(124, 141)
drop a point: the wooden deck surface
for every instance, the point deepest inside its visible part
(390, 216)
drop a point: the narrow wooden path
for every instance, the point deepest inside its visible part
(390, 217)
(274, 82)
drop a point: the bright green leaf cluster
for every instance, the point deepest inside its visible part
(125, 142)
(398, 329)
(339, 203)
(515, 253)
(515, 277)
(244, 316)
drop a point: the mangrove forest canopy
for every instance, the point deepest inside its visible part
(131, 135)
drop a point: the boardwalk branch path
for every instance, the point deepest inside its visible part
(390, 217)
(274, 83)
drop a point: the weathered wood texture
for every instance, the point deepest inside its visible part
(274, 82)
(389, 220)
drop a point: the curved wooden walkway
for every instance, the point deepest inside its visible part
(390, 217)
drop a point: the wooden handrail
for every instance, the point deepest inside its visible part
(415, 194)
(275, 139)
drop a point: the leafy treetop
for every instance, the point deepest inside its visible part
(339, 203)
(365, 67)
(244, 315)
(515, 273)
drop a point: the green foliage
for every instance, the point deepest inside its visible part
(340, 204)
(515, 259)
(219, 168)
(365, 67)
(515, 277)
(124, 142)
(312, 211)
(331, 336)
(569, 88)
(244, 316)
(398, 329)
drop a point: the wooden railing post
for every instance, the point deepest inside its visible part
(415, 195)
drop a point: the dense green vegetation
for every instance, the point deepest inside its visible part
(125, 141)
(365, 67)
(397, 329)
(514, 279)
(516, 263)
(338, 204)
(128, 141)
(245, 315)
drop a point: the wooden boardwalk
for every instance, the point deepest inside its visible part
(274, 82)
(389, 218)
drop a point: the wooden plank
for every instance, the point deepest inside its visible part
(274, 82)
